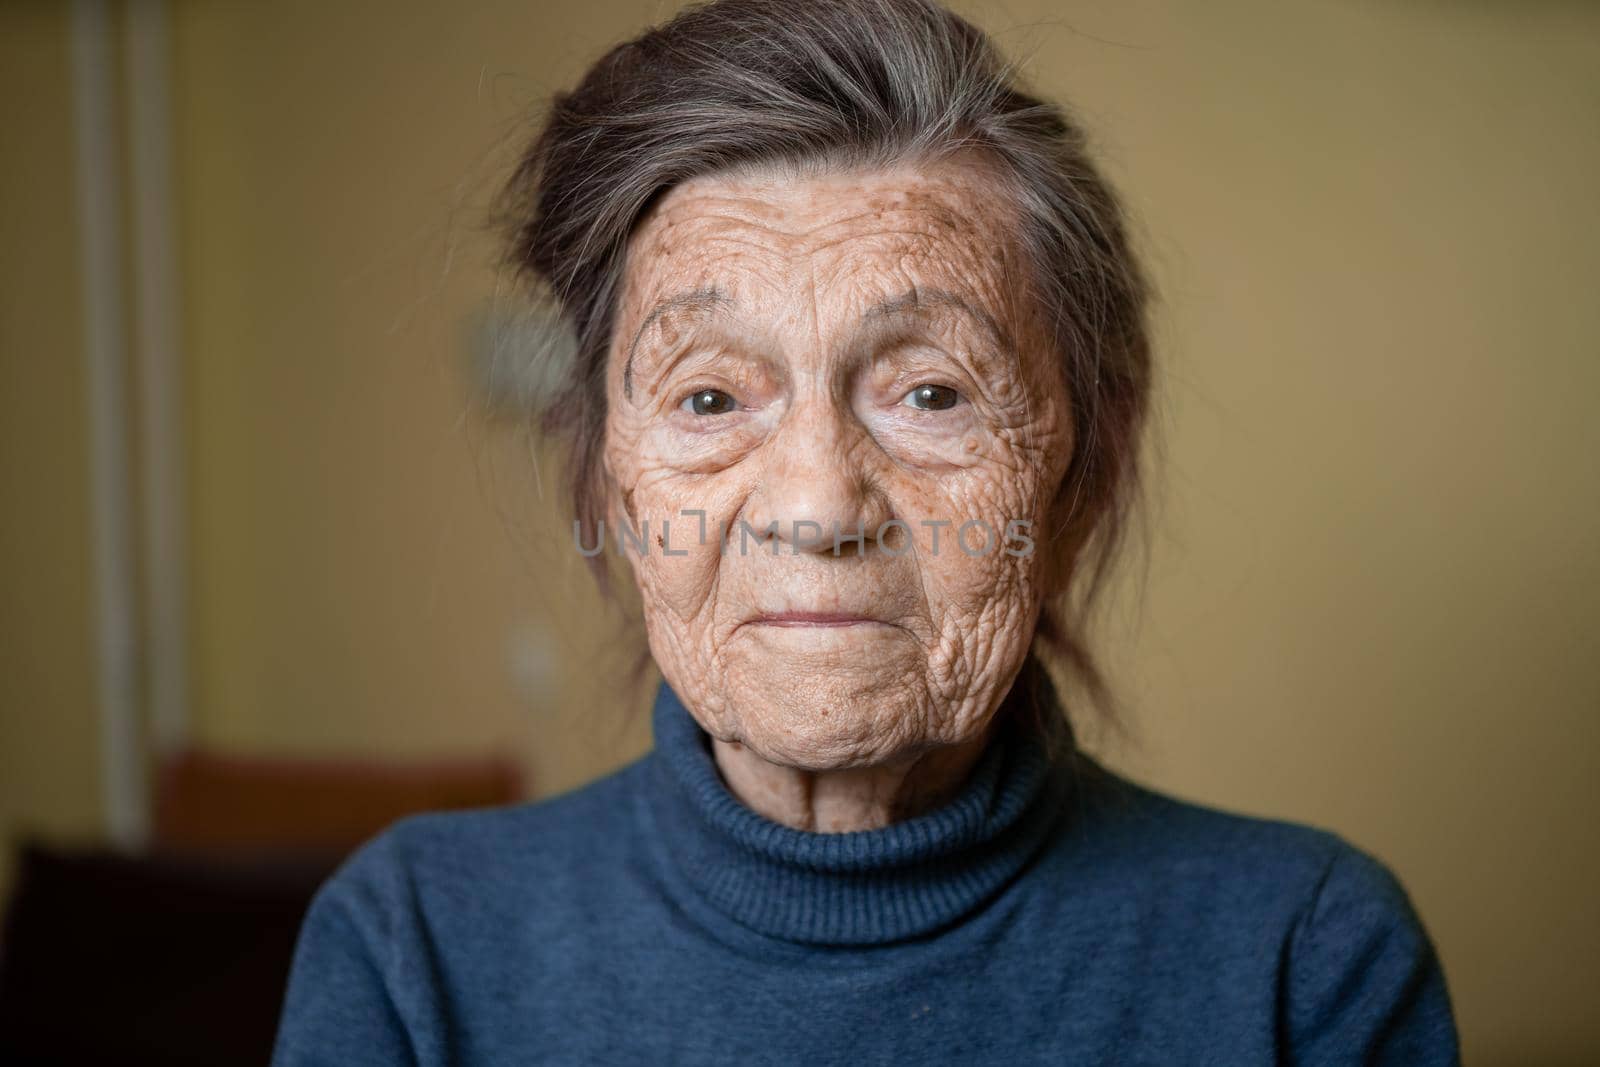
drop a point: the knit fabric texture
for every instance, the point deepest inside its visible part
(1050, 912)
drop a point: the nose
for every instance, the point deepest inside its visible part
(817, 489)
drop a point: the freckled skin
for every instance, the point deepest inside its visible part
(817, 304)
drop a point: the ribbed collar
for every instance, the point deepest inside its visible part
(866, 887)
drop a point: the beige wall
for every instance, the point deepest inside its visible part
(49, 756)
(363, 572)
(1373, 576)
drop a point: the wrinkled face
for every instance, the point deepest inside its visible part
(835, 428)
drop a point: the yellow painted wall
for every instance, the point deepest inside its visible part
(1373, 584)
(364, 575)
(49, 755)
(1375, 577)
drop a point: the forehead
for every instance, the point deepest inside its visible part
(851, 236)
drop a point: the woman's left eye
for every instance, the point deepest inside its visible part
(931, 398)
(709, 402)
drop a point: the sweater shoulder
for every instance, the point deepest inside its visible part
(1269, 903)
(1193, 847)
(482, 858)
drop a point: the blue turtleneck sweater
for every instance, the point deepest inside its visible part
(1051, 912)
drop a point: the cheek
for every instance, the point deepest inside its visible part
(683, 492)
(681, 519)
(974, 558)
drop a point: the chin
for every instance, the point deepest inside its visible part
(819, 714)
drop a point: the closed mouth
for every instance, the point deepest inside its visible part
(814, 618)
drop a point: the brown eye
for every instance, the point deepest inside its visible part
(932, 398)
(709, 402)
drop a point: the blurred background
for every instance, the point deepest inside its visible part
(279, 561)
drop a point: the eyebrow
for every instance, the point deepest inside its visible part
(914, 300)
(702, 299)
(911, 301)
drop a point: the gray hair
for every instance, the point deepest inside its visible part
(738, 83)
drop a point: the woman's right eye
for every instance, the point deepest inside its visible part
(709, 402)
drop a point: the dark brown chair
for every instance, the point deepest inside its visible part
(218, 803)
(179, 955)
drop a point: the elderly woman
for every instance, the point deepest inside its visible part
(861, 366)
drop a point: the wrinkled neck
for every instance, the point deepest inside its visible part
(848, 799)
(904, 878)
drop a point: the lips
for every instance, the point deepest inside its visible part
(813, 618)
